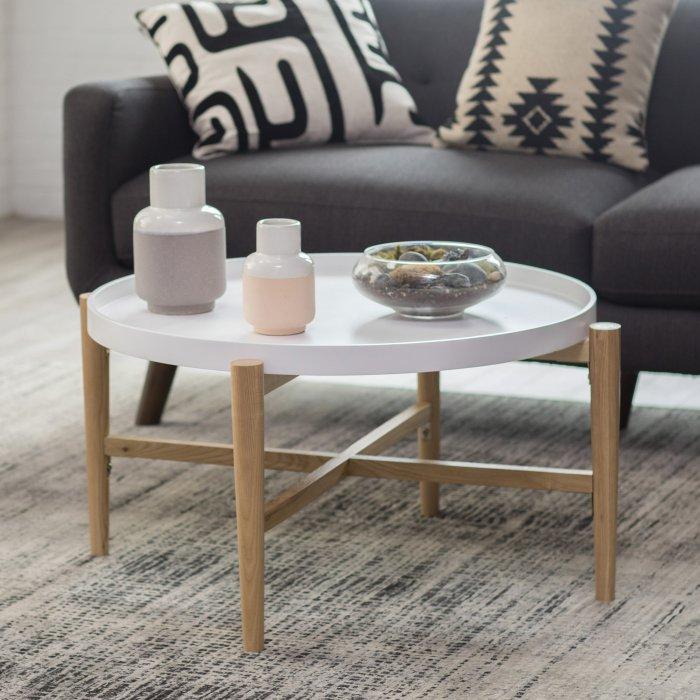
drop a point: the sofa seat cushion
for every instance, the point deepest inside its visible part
(646, 250)
(538, 211)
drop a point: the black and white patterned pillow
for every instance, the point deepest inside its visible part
(567, 77)
(269, 73)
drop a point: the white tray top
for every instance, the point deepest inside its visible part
(535, 313)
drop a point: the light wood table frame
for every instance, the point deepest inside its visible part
(322, 470)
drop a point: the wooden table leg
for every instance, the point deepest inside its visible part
(96, 403)
(247, 402)
(604, 368)
(429, 440)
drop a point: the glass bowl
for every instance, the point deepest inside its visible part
(429, 279)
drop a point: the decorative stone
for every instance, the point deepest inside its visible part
(473, 272)
(373, 273)
(455, 254)
(439, 292)
(413, 256)
(383, 281)
(487, 266)
(455, 279)
(415, 275)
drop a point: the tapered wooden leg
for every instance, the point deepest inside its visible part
(247, 391)
(429, 440)
(154, 395)
(628, 383)
(96, 402)
(604, 367)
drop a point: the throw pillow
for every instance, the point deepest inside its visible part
(264, 73)
(562, 77)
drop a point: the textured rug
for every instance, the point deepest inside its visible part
(365, 599)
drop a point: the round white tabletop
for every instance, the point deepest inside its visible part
(536, 312)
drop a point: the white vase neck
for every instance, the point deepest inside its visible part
(278, 237)
(178, 186)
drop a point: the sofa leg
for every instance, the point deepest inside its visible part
(628, 383)
(159, 379)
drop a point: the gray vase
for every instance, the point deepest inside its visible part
(179, 243)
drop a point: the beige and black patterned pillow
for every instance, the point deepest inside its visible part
(562, 77)
(258, 74)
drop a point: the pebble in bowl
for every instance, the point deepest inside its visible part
(429, 279)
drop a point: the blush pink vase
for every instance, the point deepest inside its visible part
(278, 280)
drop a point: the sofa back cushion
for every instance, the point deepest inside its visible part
(673, 121)
(429, 43)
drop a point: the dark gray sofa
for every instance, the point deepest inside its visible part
(635, 238)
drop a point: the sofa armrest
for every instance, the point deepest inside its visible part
(646, 249)
(113, 131)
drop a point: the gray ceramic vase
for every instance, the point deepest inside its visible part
(179, 243)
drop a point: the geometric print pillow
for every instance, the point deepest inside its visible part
(260, 74)
(562, 77)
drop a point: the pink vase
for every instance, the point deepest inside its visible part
(278, 280)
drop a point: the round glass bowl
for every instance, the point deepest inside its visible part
(429, 279)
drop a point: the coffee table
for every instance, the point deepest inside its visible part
(538, 315)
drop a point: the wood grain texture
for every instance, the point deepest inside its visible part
(575, 354)
(392, 430)
(295, 460)
(275, 381)
(605, 448)
(96, 405)
(315, 484)
(171, 450)
(429, 440)
(247, 402)
(402, 468)
(472, 473)
(219, 453)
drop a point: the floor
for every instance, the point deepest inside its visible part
(32, 268)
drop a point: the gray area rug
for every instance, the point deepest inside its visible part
(365, 599)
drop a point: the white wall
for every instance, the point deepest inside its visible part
(54, 45)
(5, 207)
